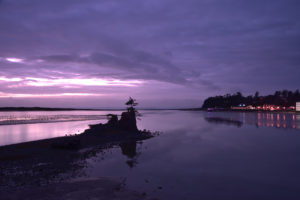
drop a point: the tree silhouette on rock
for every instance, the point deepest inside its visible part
(131, 103)
(128, 119)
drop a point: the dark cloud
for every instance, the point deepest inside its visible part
(202, 45)
(133, 65)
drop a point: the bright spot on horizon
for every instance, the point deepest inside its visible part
(10, 95)
(82, 85)
(40, 82)
(14, 60)
(2, 78)
(70, 82)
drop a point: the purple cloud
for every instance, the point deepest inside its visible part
(181, 52)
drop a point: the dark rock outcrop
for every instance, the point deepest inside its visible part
(114, 130)
(127, 123)
(128, 120)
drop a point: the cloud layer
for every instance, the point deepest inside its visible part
(182, 52)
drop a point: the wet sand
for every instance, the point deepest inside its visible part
(89, 189)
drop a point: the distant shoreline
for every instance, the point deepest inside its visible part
(48, 109)
(76, 109)
(20, 109)
(235, 110)
(256, 111)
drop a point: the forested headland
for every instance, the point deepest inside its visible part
(282, 98)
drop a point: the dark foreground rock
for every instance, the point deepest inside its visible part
(114, 130)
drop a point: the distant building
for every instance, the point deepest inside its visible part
(298, 106)
(244, 107)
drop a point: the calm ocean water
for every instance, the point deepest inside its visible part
(198, 155)
(203, 155)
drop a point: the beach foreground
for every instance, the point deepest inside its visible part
(46, 169)
(96, 189)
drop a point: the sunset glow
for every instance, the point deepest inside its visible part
(10, 79)
(39, 82)
(43, 82)
(197, 49)
(15, 60)
(9, 95)
(65, 87)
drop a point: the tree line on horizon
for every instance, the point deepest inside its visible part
(279, 98)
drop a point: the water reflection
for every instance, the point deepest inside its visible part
(12, 134)
(40, 169)
(220, 120)
(32, 117)
(278, 120)
(29, 126)
(198, 154)
(194, 157)
(259, 119)
(129, 149)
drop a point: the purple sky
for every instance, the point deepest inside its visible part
(165, 53)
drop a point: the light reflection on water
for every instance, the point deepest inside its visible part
(13, 118)
(16, 127)
(38, 125)
(259, 119)
(194, 158)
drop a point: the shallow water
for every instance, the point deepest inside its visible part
(198, 158)
(198, 155)
(16, 127)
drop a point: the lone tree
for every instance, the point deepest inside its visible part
(131, 103)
